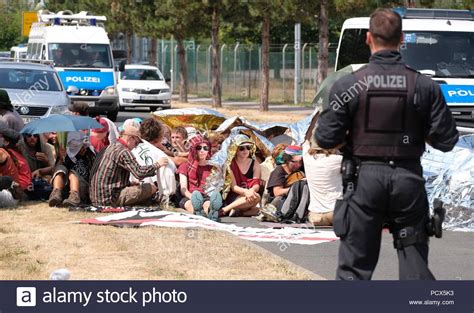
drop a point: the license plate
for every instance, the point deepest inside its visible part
(91, 104)
(148, 97)
(26, 120)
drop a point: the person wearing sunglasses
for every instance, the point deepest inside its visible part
(242, 181)
(192, 179)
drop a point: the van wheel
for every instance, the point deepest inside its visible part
(153, 109)
(113, 115)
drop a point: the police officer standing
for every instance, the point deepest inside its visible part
(384, 113)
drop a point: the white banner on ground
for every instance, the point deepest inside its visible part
(287, 235)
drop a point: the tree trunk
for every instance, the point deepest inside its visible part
(183, 81)
(152, 59)
(216, 64)
(129, 47)
(323, 53)
(265, 63)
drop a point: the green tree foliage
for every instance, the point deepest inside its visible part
(182, 19)
(10, 25)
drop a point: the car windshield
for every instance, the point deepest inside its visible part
(80, 55)
(444, 54)
(34, 80)
(141, 74)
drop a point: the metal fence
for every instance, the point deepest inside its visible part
(240, 68)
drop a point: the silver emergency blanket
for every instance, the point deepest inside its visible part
(450, 178)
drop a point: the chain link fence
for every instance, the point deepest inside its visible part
(240, 68)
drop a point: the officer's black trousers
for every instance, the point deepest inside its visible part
(384, 194)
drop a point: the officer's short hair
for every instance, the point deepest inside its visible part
(386, 27)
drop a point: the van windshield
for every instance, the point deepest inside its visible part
(446, 54)
(35, 80)
(443, 54)
(80, 55)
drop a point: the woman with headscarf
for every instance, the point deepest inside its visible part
(242, 181)
(71, 175)
(192, 178)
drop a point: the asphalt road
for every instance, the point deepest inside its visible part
(450, 257)
(141, 113)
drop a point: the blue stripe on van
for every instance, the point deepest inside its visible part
(458, 93)
(87, 80)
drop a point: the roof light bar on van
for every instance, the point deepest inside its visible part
(47, 18)
(411, 13)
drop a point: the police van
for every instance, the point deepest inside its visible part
(438, 43)
(80, 50)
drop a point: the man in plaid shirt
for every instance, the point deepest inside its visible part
(111, 173)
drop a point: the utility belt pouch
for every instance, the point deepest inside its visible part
(341, 218)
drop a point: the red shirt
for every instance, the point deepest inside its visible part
(202, 173)
(8, 167)
(24, 172)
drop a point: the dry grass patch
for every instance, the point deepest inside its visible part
(250, 114)
(37, 239)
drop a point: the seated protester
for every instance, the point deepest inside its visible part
(284, 175)
(99, 137)
(8, 114)
(7, 165)
(216, 141)
(323, 174)
(52, 139)
(179, 135)
(11, 138)
(38, 153)
(192, 179)
(272, 161)
(166, 146)
(243, 174)
(110, 181)
(147, 153)
(71, 175)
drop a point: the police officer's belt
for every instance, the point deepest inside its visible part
(389, 161)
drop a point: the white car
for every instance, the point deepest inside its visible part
(143, 86)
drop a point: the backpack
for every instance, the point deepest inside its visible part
(295, 207)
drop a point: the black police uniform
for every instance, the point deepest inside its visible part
(385, 112)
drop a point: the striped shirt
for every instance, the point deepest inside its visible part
(113, 174)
